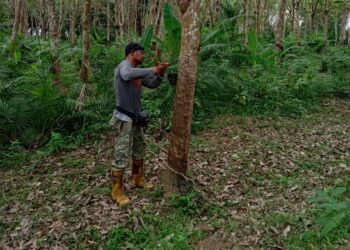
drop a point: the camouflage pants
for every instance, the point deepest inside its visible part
(129, 143)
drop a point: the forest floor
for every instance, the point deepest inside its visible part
(252, 175)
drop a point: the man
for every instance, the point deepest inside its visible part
(128, 80)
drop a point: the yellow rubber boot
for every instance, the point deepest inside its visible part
(138, 176)
(117, 188)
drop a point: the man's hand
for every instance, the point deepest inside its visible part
(161, 68)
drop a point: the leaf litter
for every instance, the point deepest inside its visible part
(255, 169)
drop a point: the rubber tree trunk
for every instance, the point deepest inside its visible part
(345, 16)
(61, 18)
(54, 26)
(84, 72)
(72, 21)
(314, 7)
(295, 24)
(108, 10)
(257, 10)
(326, 24)
(43, 18)
(16, 20)
(246, 18)
(183, 103)
(118, 18)
(279, 31)
(23, 25)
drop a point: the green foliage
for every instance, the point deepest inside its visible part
(186, 204)
(147, 37)
(149, 231)
(335, 207)
(171, 43)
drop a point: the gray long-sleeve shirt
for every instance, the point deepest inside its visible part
(127, 86)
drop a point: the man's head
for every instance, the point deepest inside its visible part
(135, 53)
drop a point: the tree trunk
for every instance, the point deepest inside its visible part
(23, 26)
(313, 15)
(257, 17)
(61, 18)
(159, 16)
(43, 14)
(118, 18)
(85, 66)
(246, 16)
(16, 20)
(72, 36)
(53, 24)
(139, 15)
(326, 24)
(183, 103)
(108, 24)
(280, 25)
(345, 16)
(296, 27)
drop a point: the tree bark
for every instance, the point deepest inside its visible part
(54, 26)
(326, 24)
(257, 17)
(159, 16)
(118, 18)
(43, 20)
(108, 10)
(314, 6)
(61, 18)
(295, 23)
(246, 16)
(85, 66)
(280, 25)
(72, 36)
(345, 16)
(183, 103)
(16, 20)
(139, 17)
(23, 26)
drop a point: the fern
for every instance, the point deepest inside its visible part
(335, 209)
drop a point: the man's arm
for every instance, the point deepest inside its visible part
(128, 73)
(152, 83)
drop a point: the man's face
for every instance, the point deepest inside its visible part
(138, 56)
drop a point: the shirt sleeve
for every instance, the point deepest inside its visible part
(152, 83)
(128, 73)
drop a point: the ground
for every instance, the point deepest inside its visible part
(253, 176)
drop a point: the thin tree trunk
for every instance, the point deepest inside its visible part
(16, 20)
(345, 16)
(61, 18)
(183, 103)
(326, 24)
(313, 15)
(108, 24)
(72, 36)
(296, 27)
(53, 24)
(217, 10)
(280, 25)
(118, 19)
(43, 20)
(152, 13)
(246, 16)
(139, 18)
(31, 25)
(24, 19)
(257, 17)
(85, 66)
(158, 17)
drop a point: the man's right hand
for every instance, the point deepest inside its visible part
(161, 68)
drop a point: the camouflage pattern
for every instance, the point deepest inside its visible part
(129, 143)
